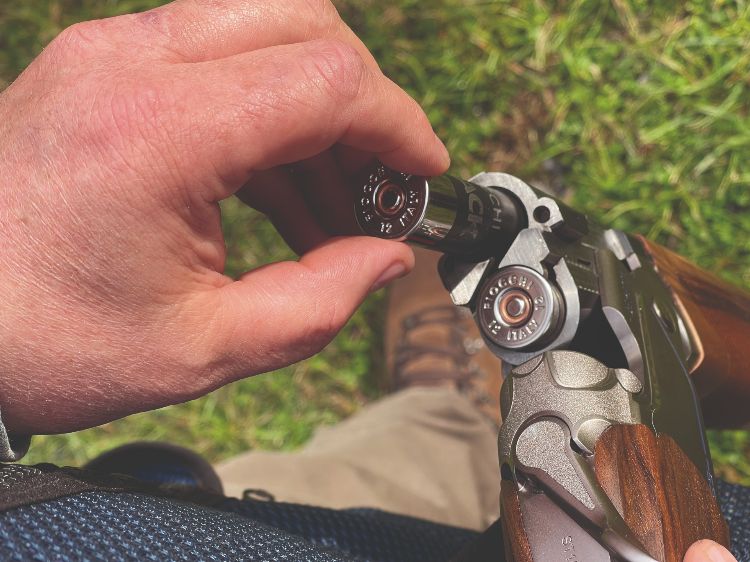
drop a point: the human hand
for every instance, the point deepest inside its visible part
(708, 551)
(116, 145)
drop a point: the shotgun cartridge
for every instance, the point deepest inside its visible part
(443, 213)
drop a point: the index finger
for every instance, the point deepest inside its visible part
(284, 104)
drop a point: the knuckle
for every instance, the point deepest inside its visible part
(79, 40)
(337, 68)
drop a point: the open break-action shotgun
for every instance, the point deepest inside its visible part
(605, 338)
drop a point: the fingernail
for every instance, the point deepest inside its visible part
(717, 553)
(393, 272)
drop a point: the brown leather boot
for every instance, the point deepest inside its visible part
(431, 342)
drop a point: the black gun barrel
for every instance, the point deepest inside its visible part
(442, 213)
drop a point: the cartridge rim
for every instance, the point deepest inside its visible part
(536, 324)
(391, 204)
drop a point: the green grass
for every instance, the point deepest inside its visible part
(644, 106)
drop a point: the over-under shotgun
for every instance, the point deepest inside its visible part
(614, 349)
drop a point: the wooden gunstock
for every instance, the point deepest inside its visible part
(719, 319)
(517, 547)
(659, 492)
(655, 487)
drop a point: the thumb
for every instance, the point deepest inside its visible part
(708, 551)
(284, 312)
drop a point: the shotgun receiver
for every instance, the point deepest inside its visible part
(603, 337)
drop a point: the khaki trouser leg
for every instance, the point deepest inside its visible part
(424, 452)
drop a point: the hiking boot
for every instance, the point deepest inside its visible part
(431, 342)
